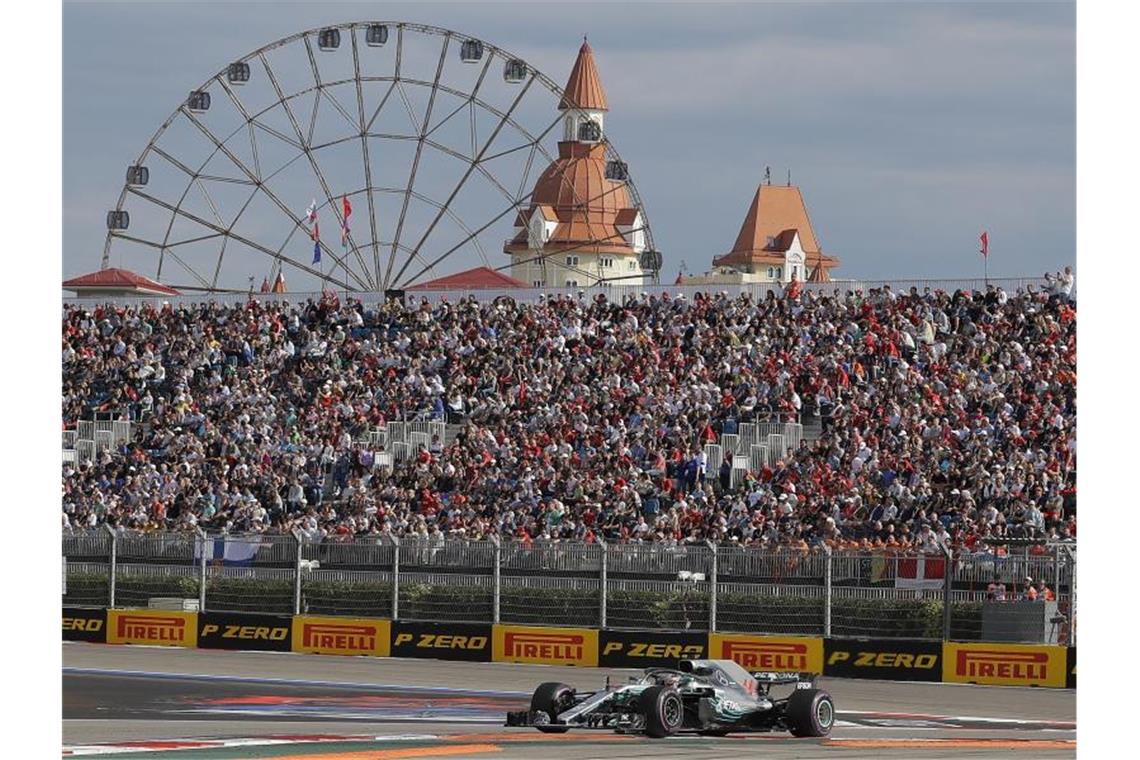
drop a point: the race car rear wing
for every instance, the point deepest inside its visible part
(778, 679)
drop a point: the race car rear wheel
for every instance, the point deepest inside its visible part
(552, 698)
(663, 710)
(810, 712)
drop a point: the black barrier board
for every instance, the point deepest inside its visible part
(237, 630)
(649, 649)
(1071, 668)
(84, 624)
(442, 641)
(885, 659)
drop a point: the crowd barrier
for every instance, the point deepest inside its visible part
(949, 662)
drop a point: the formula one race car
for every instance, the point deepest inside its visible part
(709, 697)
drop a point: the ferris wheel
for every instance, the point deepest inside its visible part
(364, 156)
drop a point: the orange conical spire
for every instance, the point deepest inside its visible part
(584, 87)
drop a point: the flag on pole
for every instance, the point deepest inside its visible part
(311, 212)
(316, 243)
(985, 238)
(344, 226)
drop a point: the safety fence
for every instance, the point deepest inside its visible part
(688, 587)
(956, 662)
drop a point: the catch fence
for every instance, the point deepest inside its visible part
(690, 586)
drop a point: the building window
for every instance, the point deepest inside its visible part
(779, 273)
(571, 283)
(771, 273)
(795, 273)
(771, 241)
(632, 265)
(571, 261)
(537, 283)
(605, 261)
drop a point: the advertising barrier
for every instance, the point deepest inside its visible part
(545, 646)
(951, 662)
(337, 635)
(888, 660)
(236, 630)
(649, 649)
(442, 641)
(1004, 664)
(80, 624)
(769, 653)
(168, 628)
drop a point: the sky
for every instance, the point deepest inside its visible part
(910, 127)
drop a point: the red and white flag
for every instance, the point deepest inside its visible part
(922, 571)
(344, 226)
(985, 238)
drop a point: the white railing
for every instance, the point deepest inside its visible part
(613, 292)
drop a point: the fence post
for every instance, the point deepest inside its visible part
(201, 538)
(712, 587)
(496, 564)
(947, 581)
(826, 591)
(395, 577)
(113, 571)
(297, 573)
(604, 582)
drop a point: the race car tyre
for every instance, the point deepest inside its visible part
(663, 710)
(552, 698)
(810, 712)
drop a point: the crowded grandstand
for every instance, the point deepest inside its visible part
(931, 418)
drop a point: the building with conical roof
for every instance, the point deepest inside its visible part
(776, 243)
(580, 227)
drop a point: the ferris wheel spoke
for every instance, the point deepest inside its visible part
(174, 162)
(470, 170)
(320, 178)
(474, 237)
(527, 170)
(464, 241)
(383, 100)
(421, 130)
(363, 133)
(248, 123)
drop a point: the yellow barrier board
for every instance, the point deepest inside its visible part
(770, 653)
(545, 646)
(156, 627)
(1004, 664)
(338, 635)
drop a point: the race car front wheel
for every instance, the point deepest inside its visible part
(663, 710)
(552, 698)
(810, 712)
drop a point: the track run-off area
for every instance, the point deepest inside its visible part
(151, 702)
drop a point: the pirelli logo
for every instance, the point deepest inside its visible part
(326, 635)
(161, 627)
(791, 653)
(1004, 664)
(550, 646)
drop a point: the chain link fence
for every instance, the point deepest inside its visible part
(980, 595)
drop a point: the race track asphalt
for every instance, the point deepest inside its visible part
(394, 708)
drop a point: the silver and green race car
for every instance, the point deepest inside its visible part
(709, 697)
